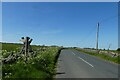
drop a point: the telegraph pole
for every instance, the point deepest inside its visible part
(97, 35)
(109, 46)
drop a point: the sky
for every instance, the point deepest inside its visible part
(69, 24)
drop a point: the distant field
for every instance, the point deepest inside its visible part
(16, 47)
(11, 47)
(40, 66)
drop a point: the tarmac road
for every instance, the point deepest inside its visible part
(75, 64)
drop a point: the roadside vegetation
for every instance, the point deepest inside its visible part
(103, 56)
(41, 66)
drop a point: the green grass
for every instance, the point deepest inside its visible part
(17, 46)
(11, 47)
(21, 70)
(41, 66)
(7, 48)
(103, 56)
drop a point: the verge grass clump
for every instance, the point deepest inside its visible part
(103, 56)
(41, 66)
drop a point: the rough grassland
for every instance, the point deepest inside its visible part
(41, 66)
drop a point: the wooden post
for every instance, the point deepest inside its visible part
(30, 49)
(25, 50)
(26, 47)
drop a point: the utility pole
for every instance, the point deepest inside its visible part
(97, 35)
(109, 46)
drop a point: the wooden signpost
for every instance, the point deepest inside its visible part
(26, 49)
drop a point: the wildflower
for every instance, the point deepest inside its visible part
(5, 50)
(10, 73)
(18, 62)
(7, 76)
(24, 63)
(5, 73)
(33, 63)
(4, 53)
(18, 57)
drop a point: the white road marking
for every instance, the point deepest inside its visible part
(73, 53)
(86, 62)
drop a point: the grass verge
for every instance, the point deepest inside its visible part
(40, 67)
(103, 56)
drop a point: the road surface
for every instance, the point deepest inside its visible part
(75, 64)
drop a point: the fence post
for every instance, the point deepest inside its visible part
(26, 48)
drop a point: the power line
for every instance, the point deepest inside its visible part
(107, 19)
(88, 35)
(92, 29)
